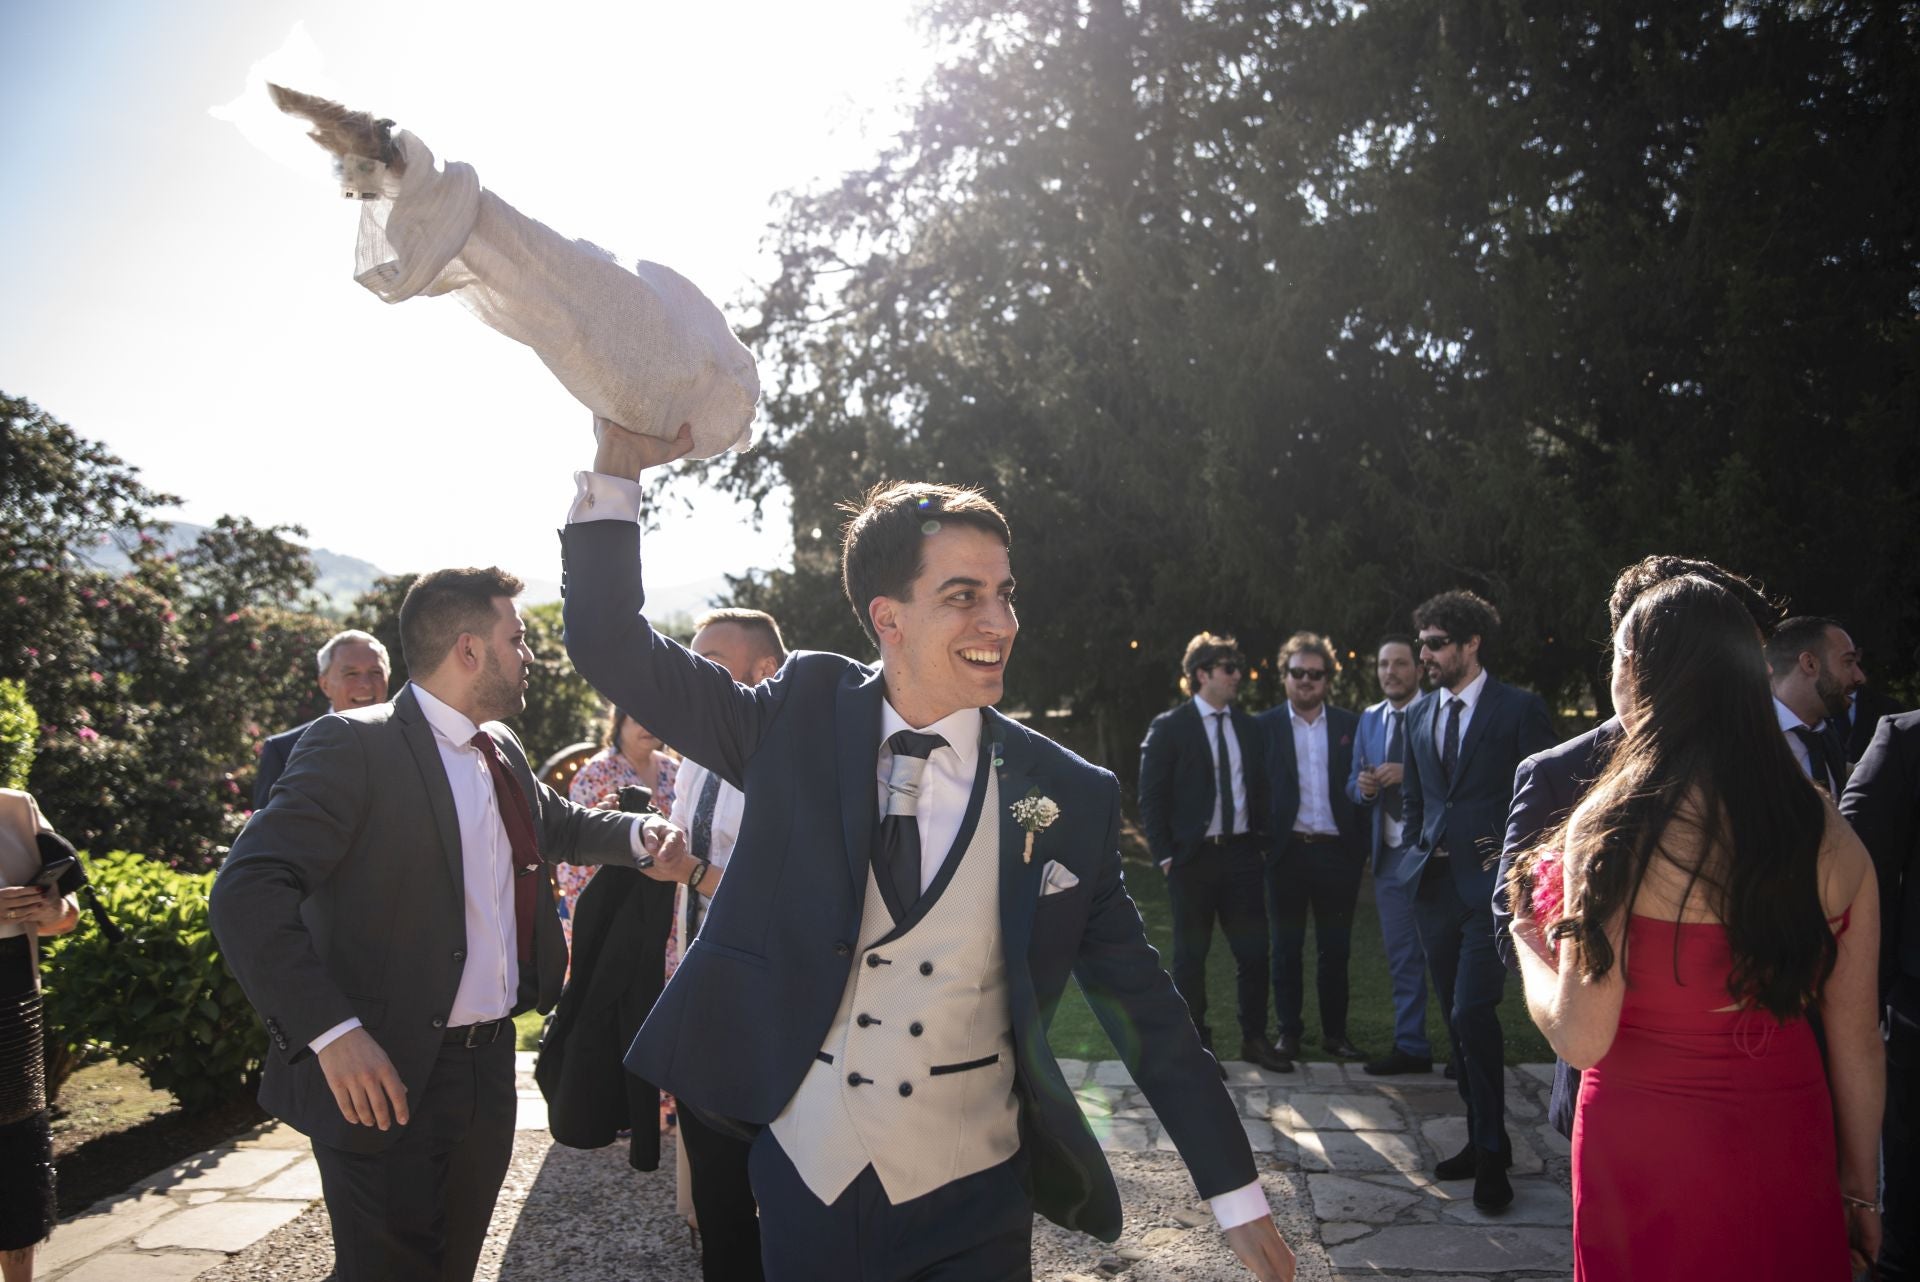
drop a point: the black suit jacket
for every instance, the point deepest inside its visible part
(345, 897)
(1869, 708)
(274, 752)
(1179, 785)
(1546, 788)
(1882, 802)
(1469, 815)
(1283, 772)
(772, 959)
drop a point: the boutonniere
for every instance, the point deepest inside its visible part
(1034, 813)
(1346, 741)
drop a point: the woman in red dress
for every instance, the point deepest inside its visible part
(1712, 899)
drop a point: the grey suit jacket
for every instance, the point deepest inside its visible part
(346, 897)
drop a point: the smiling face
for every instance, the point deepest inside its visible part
(1219, 683)
(945, 646)
(356, 676)
(1306, 673)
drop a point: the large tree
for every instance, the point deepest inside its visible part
(1259, 317)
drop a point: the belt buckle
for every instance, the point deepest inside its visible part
(492, 1028)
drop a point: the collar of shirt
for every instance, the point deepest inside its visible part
(947, 785)
(1789, 719)
(1208, 712)
(448, 722)
(1304, 723)
(960, 729)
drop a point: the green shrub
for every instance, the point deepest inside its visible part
(19, 731)
(161, 999)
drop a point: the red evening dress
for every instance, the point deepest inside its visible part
(1703, 1147)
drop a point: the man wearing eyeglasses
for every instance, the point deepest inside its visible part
(1203, 807)
(1318, 853)
(1464, 743)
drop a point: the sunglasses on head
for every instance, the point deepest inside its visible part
(1438, 641)
(1307, 674)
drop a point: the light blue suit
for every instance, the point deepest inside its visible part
(1406, 959)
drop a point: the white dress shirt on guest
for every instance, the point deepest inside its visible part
(1210, 718)
(1310, 756)
(1468, 697)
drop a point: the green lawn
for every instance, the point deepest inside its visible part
(1076, 1034)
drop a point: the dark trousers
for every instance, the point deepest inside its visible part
(418, 1210)
(1469, 977)
(1325, 877)
(976, 1229)
(1899, 1146)
(1223, 883)
(722, 1201)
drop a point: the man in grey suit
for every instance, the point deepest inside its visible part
(389, 912)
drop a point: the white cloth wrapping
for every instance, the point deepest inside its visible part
(644, 348)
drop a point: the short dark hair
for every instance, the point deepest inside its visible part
(1310, 643)
(1649, 572)
(758, 624)
(1406, 639)
(1460, 614)
(1203, 652)
(1794, 637)
(441, 605)
(883, 549)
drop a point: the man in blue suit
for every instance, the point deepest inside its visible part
(1378, 786)
(1318, 845)
(872, 984)
(1548, 785)
(1203, 809)
(1464, 743)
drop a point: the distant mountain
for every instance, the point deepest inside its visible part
(342, 577)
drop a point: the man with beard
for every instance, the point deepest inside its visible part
(1816, 670)
(1463, 744)
(390, 911)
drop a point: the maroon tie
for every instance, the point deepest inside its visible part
(518, 817)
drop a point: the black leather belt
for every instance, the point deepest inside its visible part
(472, 1035)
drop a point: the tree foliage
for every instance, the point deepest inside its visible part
(1262, 317)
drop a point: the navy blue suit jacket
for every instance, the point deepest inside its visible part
(275, 751)
(1546, 788)
(1882, 802)
(1468, 817)
(772, 959)
(1178, 783)
(1283, 771)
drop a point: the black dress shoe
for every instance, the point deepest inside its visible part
(1466, 1163)
(1491, 1191)
(1398, 1061)
(1342, 1048)
(1264, 1054)
(1288, 1044)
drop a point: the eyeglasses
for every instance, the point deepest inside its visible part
(1230, 668)
(1438, 641)
(1307, 674)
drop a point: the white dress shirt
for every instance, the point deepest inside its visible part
(729, 805)
(1469, 698)
(1315, 816)
(947, 786)
(1210, 718)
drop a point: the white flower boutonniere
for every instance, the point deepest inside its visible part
(1034, 812)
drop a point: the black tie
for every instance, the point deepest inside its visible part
(900, 827)
(1223, 772)
(1819, 757)
(1450, 752)
(1391, 796)
(702, 841)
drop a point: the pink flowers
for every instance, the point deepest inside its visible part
(86, 734)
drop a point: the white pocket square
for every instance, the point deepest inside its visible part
(1056, 877)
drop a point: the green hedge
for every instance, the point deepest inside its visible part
(161, 999)
(19, 733)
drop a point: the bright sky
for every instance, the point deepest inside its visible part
(185, 295)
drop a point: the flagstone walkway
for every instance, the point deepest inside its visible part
(1344, 1157)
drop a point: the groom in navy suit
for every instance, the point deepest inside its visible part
(1463, 745)
(870, 991)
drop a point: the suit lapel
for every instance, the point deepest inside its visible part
(1491, 695)
(433, 776)
(1019, 879)
(856, 732)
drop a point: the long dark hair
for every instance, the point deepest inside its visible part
(1705, 732)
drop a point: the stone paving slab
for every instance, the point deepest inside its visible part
(1346, 1161)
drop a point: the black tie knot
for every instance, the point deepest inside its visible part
(912, 743)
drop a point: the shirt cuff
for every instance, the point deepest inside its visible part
(636, 837)
(346, 1026)
(1242, 1206)
(599, 497)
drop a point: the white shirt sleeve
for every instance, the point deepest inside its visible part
(332, 1035)
(599, 497)
(1242, 1206)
